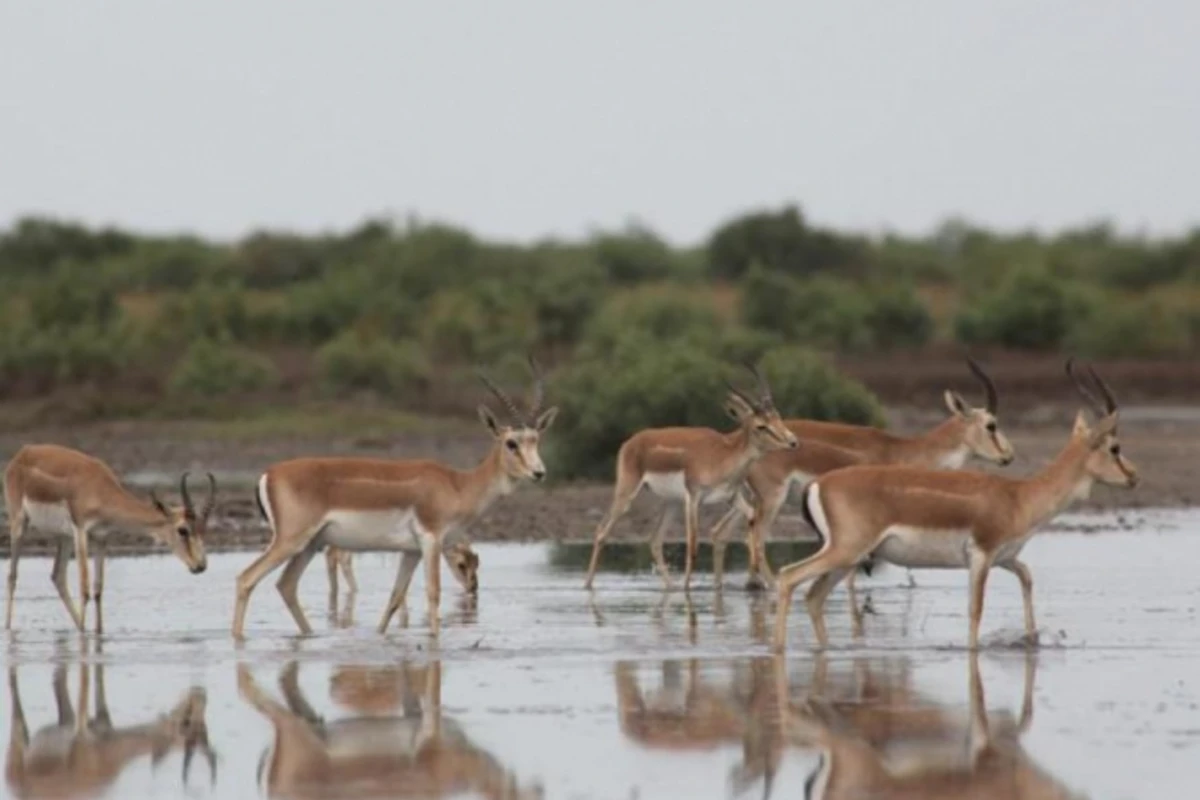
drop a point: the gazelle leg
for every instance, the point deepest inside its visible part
(331, 571)
(98, 583)
(347, 563)
(62, 697)
(408, 565)
(691, 512)
(720, 533)
(18, 529)
(280, 550)
(856, 615)
(829, 558)
(979, 564)
(58, 576)
(289, 585)
(818, 593)
(18, 741)
(85, 583)
(1019, 569)
(764, 517)
(668, 518)
(431, 552)
(623, 496)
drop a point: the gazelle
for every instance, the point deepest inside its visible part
(956, 520)
(969, 432)
(461, 558)
(84, 757)
(694, 466)
(78, 498)
(416, 753)
(419, 508)
(918, 749)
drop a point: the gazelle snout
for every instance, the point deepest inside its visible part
(199, 568)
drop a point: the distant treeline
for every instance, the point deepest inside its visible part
(402, 311)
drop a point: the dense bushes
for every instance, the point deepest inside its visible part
(604, 401)
(405, 308)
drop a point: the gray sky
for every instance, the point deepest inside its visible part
(521, 119)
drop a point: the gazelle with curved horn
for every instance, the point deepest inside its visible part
(952, 520)
(695, 466)
(419, 508)
(969, 432)
(78, 498)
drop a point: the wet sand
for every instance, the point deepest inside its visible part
(626, 691)
(1162, 440)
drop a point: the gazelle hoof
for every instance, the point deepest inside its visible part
(755, 583)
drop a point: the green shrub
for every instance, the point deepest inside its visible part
(823, 311)
(352, 362)
(206, 312)
(651, 318)
(896, 317)
(212, 368)
(73, 297)
(1122, 328)
(43, 359)
(779, 241)
(1030, 310)
(478, 324)
(604, 401)
(634, 255)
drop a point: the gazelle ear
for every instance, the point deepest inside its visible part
(737, 408)
(1081, 427)
(546, 419)
(956, 404)
(489, 419)
(159, 504)
(1103, 428)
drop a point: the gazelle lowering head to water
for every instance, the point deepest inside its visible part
(419, 508)
(78, 499)
(969, 432)
(694, 466)
(956, 520)
(461, 558)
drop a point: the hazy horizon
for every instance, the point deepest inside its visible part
(532, 119)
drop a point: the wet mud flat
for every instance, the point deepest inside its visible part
(539, 688)
(1162, 440)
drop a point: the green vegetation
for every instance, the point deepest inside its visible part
(396, 315)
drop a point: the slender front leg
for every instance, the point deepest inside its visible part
(280, 550)
(17, 530)
(331, 571)
(431, 551)
(765, 514)
(58, 576)
(691, 511)
(289, 585)
(98, 584)
(85, 583)
(626, 489)
(669, 515)
(720, 533)
(408, 565)
(979, 564)
(818, 593)
(1020, 569)
(347, 562)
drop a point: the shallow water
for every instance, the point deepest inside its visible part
(626, 692)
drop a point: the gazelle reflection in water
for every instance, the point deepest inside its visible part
(82, 756)
(889, 742)
(398, 745)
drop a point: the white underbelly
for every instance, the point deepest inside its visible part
(398, 737)
(49, 518)
(930, 548)
(672, 486)
(393, 529)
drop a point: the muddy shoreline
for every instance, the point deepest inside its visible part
(1161, 440)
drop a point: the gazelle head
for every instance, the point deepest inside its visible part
(759, 417)
(464, 566)
(185, 726)
(185, 527)
(1105, 461)
(982, 436)
(518, 439)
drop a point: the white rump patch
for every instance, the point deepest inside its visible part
(817, 511)
(265, 499)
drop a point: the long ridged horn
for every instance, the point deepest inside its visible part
(188, 508)
(539, 389)
(513, 410)
(764, 388)
(988, 386)
(1110, 402)
(211, 500)
(1083, 389)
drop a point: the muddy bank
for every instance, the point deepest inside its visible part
(1162, 441)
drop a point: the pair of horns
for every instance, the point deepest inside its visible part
(988, 387)
(765, 401)
(528, 417)
(1098, 395)
(188, 506)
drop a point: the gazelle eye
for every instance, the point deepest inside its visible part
(511, 444)
(1115, 449)
(991, 427)
(182, 531)
(760, 426)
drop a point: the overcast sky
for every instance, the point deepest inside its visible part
(526, 118)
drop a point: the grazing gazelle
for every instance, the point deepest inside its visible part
(78, 498)
(692, 465)
(419, 508)
(826, 446)
(461, 558)
(956, 520)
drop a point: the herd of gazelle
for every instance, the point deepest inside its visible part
(869, 495)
